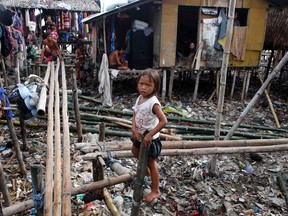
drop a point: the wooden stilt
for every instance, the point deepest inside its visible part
(14, 138)
(270, 104)
(198, 73)
(233, 84)
(38, 184)
(217, 83)
(76, 108)
(247, 84)
(244, 87)
(4, 73)
(3, 187)
(171, 85)
(164, 80)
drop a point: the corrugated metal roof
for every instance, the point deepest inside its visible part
(70, 5)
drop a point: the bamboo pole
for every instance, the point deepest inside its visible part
(270, 103)
(174, 118)
(212, 95)
(14, 137)
(58, 149)
(105, 193)
(66, 149)
(217, 83)
(198, 151)
(161, 135)
(25, 205)
(198, 60)
(123, 122)
(76, 108)
(257, 96)
(4, 73)
(41, 106)
(48, 203)
(223, 77)
(126, 145)
(90, 99)
(30, 124)
(3, 187)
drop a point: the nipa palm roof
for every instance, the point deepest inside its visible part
(70, 5)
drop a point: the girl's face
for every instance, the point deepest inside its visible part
(146, 86)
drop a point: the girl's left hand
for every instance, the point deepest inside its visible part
(147, 140)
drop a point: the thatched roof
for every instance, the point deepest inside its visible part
(276, 30)
(71, 5)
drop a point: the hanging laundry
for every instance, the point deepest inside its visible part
(32, 15)
(81, 26)
(6, 46)
(219, 43)
(76, 21)
(86, 26)
(5, 16)
(62, 20)
(67, 21)
(27, 17)
(59, 21)
(17, 23)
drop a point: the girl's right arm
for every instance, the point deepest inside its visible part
(135, 134)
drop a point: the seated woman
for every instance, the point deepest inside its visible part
(50, 50)
(117, 60)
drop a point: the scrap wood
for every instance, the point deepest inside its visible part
(109, 202)
(28, 204)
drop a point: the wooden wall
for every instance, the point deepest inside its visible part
(255, 36)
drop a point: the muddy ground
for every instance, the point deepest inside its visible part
(244, 185)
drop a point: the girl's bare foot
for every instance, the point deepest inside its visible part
(151, 196)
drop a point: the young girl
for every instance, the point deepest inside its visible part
(148, 116)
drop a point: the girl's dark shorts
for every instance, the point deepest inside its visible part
(155, 147)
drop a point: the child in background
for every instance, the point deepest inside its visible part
(54, 33)
(148, 116)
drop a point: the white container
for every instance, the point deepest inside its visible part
(137, 24)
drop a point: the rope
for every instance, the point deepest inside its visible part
(38, 199)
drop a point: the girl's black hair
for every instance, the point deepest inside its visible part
(155, 77)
